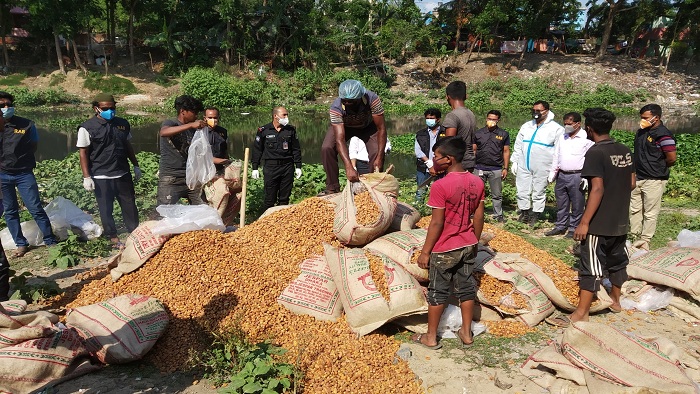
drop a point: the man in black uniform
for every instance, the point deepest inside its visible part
(175, 138)
(278, 145)
(492, 147)
(4, 264)
(218, 139)
(105, 152)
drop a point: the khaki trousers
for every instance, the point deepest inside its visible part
(645, 204)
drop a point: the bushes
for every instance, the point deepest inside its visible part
(109, 84)
(38, 97)
(222, 90)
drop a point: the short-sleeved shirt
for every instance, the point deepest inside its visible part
(650, 148)
(371, 105)
(463, 119)
(173, 150)
(489, 148)
(611, 161)
(459, 194)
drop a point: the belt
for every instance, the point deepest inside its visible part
(570, 172)
(278, 162)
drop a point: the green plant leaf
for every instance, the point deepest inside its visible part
(237, 382)
(261, 369)
(286, 383)
(268, 391)
(252, 387)
(273, 383)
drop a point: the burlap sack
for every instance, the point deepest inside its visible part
(313, 292)
(140, 245)
(399, 248)
(36, 363)
(678, 268)
(222, 193)
(405, 217)
(18, 327)
(121, 329)
(383, 188)
(685, 307)
(534, 274)
(365, 308)
(539, 305)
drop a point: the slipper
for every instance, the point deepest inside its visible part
(559, 321)
(418, 341)
(21, 251)
(614, 310)
(464, 344)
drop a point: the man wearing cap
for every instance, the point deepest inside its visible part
(18, 142)
(357, 112)
(105, 152)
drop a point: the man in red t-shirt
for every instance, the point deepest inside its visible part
(449, 251)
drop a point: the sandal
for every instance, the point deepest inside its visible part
(21, 251)
(419, 340)
(559, 320)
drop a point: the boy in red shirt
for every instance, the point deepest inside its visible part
(449, 251)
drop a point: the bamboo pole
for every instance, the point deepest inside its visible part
(245, 187)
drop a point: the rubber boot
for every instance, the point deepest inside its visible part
(534, 217)
(524, 216)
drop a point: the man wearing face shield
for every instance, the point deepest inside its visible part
(105, 152)
(569, 155)
(357, 112)
(654, 154)
(532, 160)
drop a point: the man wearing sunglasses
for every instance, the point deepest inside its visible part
(18, 141)
(105, 152)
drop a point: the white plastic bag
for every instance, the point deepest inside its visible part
(689, 239)
(651, 300)
(200, 161)
(180, 219)
(451, 322)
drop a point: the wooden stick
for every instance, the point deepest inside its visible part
(245, 186)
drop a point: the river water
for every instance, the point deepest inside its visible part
(311, 127)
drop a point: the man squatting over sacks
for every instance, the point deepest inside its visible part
(277, 144)
(356, 112)
(105, 152)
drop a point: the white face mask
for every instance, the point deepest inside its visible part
(283, 121)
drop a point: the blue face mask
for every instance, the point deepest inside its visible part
(431, 122)
(8, 112)
(108, 114)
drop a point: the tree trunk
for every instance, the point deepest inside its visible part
(76, 54)
(459, 25)
(4, 33)
(131, 32)
(48, 54)
(614, 7)
(229, 48)
(471, 48)
(59, 54)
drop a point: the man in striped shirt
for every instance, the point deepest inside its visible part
(654, 154)
(357, 112)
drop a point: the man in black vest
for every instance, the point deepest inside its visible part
(105, 152)
(18, 142)
(426, 137)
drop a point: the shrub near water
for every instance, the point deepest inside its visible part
(109, 83)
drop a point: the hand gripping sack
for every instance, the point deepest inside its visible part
(200, 161)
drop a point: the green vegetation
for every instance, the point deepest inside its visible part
(31, 292)
(69, 252)
(245, 367)
(57, 79)
(70, 124)
(12, 80)
(109, 84)
(38, 97)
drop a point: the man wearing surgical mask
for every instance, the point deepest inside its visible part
(654, 154)
(277, 144)
(218, 139)
(532, 159)
(492, 146)
(426, 138)
(105, 152)
(569, 156)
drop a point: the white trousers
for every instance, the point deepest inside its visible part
(531, 186)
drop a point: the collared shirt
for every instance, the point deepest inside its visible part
(433, 134)
(570, 152)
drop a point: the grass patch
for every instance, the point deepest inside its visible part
(57, 79)
(110, 84)
(670, 223)
(12, 79)
(164, 81)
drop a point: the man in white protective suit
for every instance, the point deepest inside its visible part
(531, 160)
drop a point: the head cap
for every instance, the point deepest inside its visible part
(104, 98)
(351, 89)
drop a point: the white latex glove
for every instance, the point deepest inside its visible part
(429, 163)
(137, 173)
(514, 168)
(297, 173)
(255, 174)
(88, 184)
(584, 184)
(551, 176)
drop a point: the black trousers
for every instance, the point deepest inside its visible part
(279, 178)
(121, 189)
(4, 276)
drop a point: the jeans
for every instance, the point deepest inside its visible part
(421, 176)
(25, 184)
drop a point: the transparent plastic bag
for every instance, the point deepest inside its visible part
(652, 299)
(200, 161)
(451, 322)
(180, 219)
(689, 239)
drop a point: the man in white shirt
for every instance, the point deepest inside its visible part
(359, 157)
(569, 155)
(426, 138)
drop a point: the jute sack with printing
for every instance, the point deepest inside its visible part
(222, 193)
(534, 274)
(140, 246)
(121, 329)
(539, 305)
(17, 326)
(405, 217)
(383, 189)
(678, 268)
(365, 307)
(313, 292)
(399, 247)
